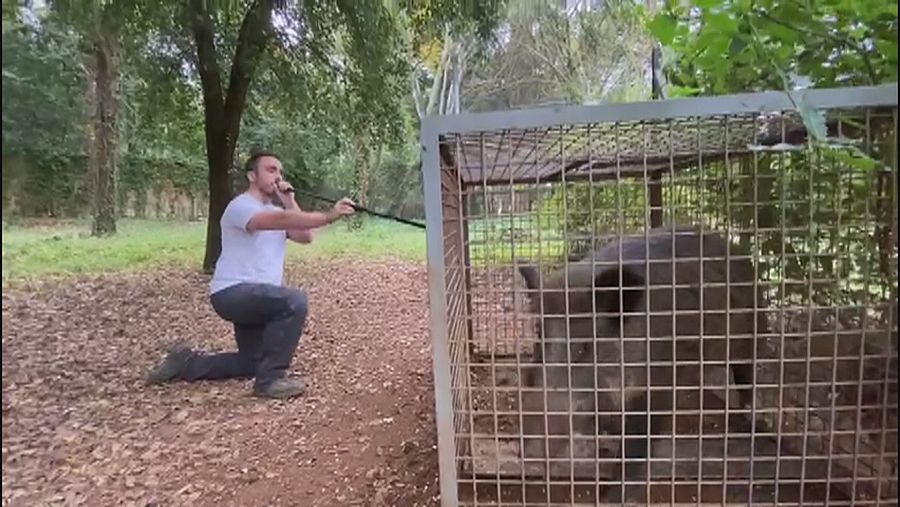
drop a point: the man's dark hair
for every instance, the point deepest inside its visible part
(252, 163)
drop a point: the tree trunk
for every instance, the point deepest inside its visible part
(362, 153)
(223, 108)
(103, 150)
(364, 159)
(220, 157)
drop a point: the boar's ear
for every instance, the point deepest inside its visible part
(607, 290)
(531, 276)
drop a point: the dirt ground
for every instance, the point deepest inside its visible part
(80, 428)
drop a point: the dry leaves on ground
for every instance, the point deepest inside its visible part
(79, 427)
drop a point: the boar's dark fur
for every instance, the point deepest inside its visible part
(608, 299)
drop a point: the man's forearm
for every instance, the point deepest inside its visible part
(300, 235)
(292, 217)
(299, 219)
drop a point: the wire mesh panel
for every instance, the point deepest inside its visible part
(682, 301)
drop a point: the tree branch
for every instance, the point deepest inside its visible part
(254, 36)
(207, 64)
(560, 75)
(434, 95)
(417, 95)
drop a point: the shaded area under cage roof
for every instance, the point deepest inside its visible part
(628, 150)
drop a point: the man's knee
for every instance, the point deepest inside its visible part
(298, 303)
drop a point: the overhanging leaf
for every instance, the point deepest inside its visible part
(663, 26)
(813, 119)
(815, 123)
(706, 4)
(853, 157)
(682, 91)
(722, 22)
(737, 45)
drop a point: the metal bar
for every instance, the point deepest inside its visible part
(443, 394)
(862, 348)
(702, 303)
(543, 366)
(809, 325)
(593, 231)
(892, 317)
(834, 363)
(567, 311)
(621, 330)
(672, 442)
(649, 219)
(466, 262)
(728, 258)
(515, 312)
(770, 101)
(780, 417)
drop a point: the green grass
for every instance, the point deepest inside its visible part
(67, 248)
(378, 239)
(492, 241)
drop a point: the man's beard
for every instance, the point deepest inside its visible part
(269, 194)
(273, 197)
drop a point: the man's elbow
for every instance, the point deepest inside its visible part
(301, 236)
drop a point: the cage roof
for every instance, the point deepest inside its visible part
(612, 150)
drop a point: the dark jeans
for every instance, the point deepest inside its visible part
(268, 321)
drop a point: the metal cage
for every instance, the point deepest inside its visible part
(732, 244)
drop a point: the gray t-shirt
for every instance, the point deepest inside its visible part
(256, 257)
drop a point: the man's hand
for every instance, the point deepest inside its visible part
(285, 193)
(342, 208)
(283, 187)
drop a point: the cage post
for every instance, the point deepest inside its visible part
(443, 396)
(467, 267)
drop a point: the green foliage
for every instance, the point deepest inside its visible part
(334, 77)
(314, 91)
(430, 18)
(725, 47)
(43, 117)
(377, 71)
(396, 187)
(46, 118)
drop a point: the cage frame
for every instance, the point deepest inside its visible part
(434, 127)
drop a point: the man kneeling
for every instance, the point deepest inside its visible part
(246, 288)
